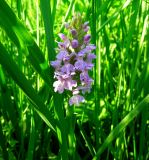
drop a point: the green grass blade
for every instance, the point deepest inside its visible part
(7, 103)
(145, 115)
(67, 14)
(25, 85)
(87, 140)
(32, 138)
(118, 129)
(136, 6)
(61, 129)
(20, 36)
(115, 15)
(19, 8)
(48, 24)
(3, 143)
(54, 10)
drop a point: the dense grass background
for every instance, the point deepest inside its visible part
(35, 122)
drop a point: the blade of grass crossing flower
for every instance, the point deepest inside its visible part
(122, 125)
(25, 85)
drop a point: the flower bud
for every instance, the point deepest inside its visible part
(73, 32)
(86, 29)
(74, 43)
(67, 26)
(87, 38)
(61, 45)
(85, 24)
(62, 36)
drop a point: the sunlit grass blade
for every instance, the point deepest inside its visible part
(19, 5)
(67, 14)
(122, 7)
(122, 125)
(25, 85)
(21, 37)
(54, 10)
(134, 70)
(48, 24)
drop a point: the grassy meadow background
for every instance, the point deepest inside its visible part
(38, 124)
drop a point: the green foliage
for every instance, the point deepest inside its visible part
(36, 122)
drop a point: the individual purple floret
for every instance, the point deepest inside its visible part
(62, 36)
(80, 65)
(86, 27)
(90, 47)
(62, 84)
(73, 32)
(56, 64)
(76, 99)
(68, 69)
(87, 38)
(90, 56)
(62, 54)
(74, 61)
(59, 86)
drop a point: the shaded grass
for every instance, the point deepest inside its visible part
(24, 84)
(143, 105)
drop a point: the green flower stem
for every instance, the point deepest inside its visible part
(70, 120)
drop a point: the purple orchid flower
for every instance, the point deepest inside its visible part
(74, 61)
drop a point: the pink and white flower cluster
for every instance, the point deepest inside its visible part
(74, 60)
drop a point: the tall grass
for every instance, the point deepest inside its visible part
(36, 122)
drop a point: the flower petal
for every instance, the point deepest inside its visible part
(76, 99)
